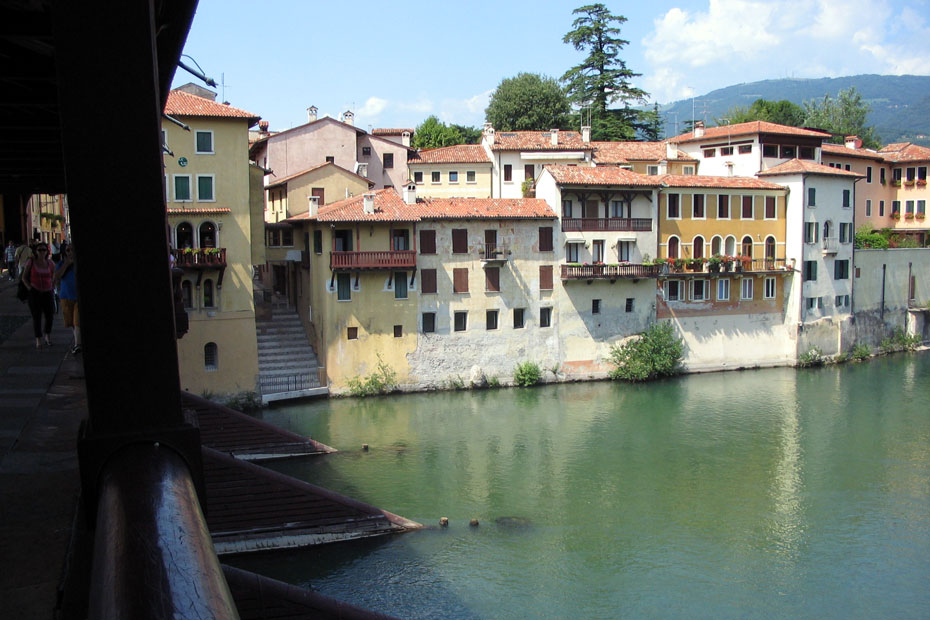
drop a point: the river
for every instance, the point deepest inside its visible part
(774, 493)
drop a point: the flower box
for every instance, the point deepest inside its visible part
(921, 216)
(908, 216)
(921, 182)
(896, 183)
(909, 183)
(895, 215)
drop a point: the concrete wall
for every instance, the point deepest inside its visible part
(881, 303)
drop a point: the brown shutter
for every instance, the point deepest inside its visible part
(747, 208)
(427, 242)
(459, 241)
(545, 238)
(492, 279)
(428, 280)
(460, 280)
(545, 277)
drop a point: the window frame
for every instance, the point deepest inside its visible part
(459, 237)
(453, 177)
(746, 286)
(769, 290)
(418, 177)
(174, 188)
(693, 284)
(545, 316)
(765, 208)
(694, 207)
(752, 207)
(460, 280)
(723, 283)
(435, 177)
(671, 198)
(212, 178)
(400, 283)
(489, 324)
(431, 328)
(197, 134)
(667, 289)
(209, 352)
(387, 161)
(723, 202)
(347, 277)
(508, 173)
(471, 177)
(460, 321)
(521, 323)
(428, 282)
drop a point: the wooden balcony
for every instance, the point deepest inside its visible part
(603, 224)
(199, 258)
(610, 272)
(388, 259)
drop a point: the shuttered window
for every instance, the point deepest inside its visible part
(545, 238)
(545, 277)
(427, 242)
(460, 280)
(459, 241)
(492, 279)
(428, 280)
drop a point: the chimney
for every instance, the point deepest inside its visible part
(554, 137)
(405, 138)
(311, 113)
(368, 203)
(348, 117)
(263, 127)
(853, 142)
(314, 205)
(410, 193)
(698, 129)
(585, 133)
(488, 134)
(671, 151)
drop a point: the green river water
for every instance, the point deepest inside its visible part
(755, 494)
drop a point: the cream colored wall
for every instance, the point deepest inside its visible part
(481, 188)
(237, 368)
(337, 185)
(256, 214)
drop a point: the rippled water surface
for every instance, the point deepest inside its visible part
(755, 494)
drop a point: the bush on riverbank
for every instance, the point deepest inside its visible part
(813, 357)
(899, 341)
(527, 374)
(382, 381)
(657, 352)
(860, 352)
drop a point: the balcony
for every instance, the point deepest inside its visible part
(610, 272)
(199, 258)
(755, 265)
(388, 259)
(603, 224)
(494, 252)
(831, 245)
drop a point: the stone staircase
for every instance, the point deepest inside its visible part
(287, 363)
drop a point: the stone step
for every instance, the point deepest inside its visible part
(282, 338)
(282, 372)
(302, 359)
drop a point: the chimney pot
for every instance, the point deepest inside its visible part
(698, 129)
(314, 205)
(586, 133)
(368, 203)
(311, 113)
(410, 193)
(853, 142)
(554, 136)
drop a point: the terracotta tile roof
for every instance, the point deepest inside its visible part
(283, 180)
(844, 151)
(804, 166)
(623, 152)
(752, 127)
(390, 132)
(390, 207)
(601, 175)
(905, 152)
(199, 211)
(538, 141)
(457, 154)
(181, 103)
(692, 180)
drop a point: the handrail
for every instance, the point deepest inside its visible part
(591, 272)
(607, 224)
(372, 260)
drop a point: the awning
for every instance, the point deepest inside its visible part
(626, 236)
(575, 239)
(293, 256)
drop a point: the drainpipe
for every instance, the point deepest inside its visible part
(884, 271)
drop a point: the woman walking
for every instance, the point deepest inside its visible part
(37, 276)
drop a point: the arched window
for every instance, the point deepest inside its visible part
(697, 248)
(770, 252)
(673, 247)
(184, 235)
(207, 235)
(746, 250)
(827, 229)
(210, 356)
(208, 293)
(187, 294)
(730, 246)
(716, 245)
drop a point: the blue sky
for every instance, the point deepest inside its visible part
(394, 64)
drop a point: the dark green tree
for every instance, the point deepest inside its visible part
(528, 102)
(470, 135)
(602, 78)
(782, 112)
(650, 124)
(843, 116)
(433, 133)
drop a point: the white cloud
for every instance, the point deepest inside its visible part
(469, 111)
(373, 107)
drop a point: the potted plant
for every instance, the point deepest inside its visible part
(909, 182)
(908, 216)
(678, 264)
(714, 263)
(896, 215)
(921, 216)
(921, 182)
(896, 183)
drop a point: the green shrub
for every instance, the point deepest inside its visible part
(655, 353)
(867, 238)
(456, 383)
(860, 352)
(899, 341)
(494, 382)
(527, 374)
(244, 401)
(382, 381)
(813, 357)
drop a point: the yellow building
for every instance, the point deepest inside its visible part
(324, 183)
(212, 213)
(460, 171)
(649, 158)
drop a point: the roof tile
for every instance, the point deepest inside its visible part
(803, 166)
(752, 127)
(623, 152)
(601, 175)
(905, 152)
(457, 154)
(538, 141)
(181, 103)
(712, 182)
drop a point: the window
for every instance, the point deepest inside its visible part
(460, 321)
(492, 279)
(210, 356)
(529, 172)
(811, 196)
(595, 306)
(811, 232)
(842, 301)
(508, 173)
(470, 177)
(287, 237)
(567, 209)
(204, 142)
(318, 241)
(418, 176)
(895, 206)
(460, 280)
(545, 277)
(545, 317)
(806, 152)
(616, 208)
(205, 188)
(881, 208)
(208, 294)
(429, 322)
(710, 152)
(427, 242)
(723, 289)
(699, 290)
(545, 238)
(846, 232)
(723, 207)
(182, 188)
(697, 211)
(745, 288)
(652, 170)
(351, 333)
(769, 150)
(687, 170)
(400, 285)
(427, 281)
(398, 331)
(697, 247)
(623, 250)
(674, 207)
(770, 208)
(747, 213)
(518, 318)
(571, 252)
(911, 174)
(841, 270)
(673, 246)
(846, 201)
(896, 175)
(187, 294)
(629, 304)
(921, 207)
(435, 177)
(909, 207)
(490, 320)
(343, 287)
(811, 302)
(726, 150)
(768, 291)
(787, 152)
(388, 160)
(184, 235)
(868, 174)
(597, 250)
(868, 208)
(366, 151)
(459, 241)
(330, 159)
(881, 176)
(672, 290)
(810, 271)
(400, 240)
(922, 173)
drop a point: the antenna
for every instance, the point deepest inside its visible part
(223, 86)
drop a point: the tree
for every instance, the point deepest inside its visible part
(655, 353)
(602, 77)
(782, 112)
(433, 133)
(528, 102)
(843, 116)
(650, 124)
(470, 135)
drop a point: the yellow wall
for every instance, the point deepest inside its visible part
(481, 188)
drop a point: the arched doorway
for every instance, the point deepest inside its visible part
(184, 235)
(673, 247)
(207, 235)
(770, 252)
